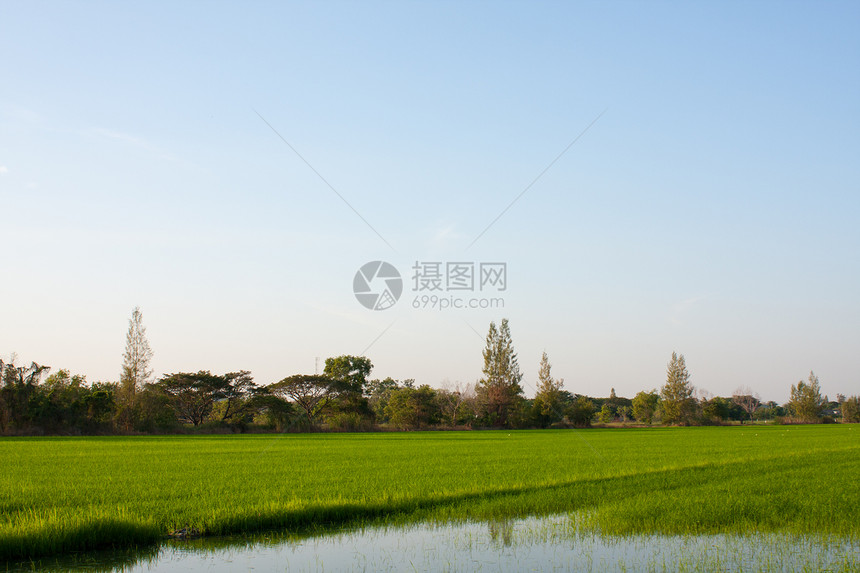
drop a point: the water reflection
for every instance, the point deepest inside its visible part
(502, 530)
(534, 544)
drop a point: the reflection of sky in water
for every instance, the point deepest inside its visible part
(534, 544)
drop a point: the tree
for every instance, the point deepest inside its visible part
(716, 408)
(457, 404)
(744, 398)
(580, 411)
(606, 414)
(310, 393)
(677, 394)
(612, 400)
(62, 401)
(194, 395)
(100, 405)
(347, 406)
(136, 371)
(806, 401)
(412, 407)
(272, 411)
(547, 402)
(851, 409)
(378, 393)
(238, 390)
(19, 385)
(645, 406)
(499, 388)
(350, 370)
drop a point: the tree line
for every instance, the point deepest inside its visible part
(345, 398)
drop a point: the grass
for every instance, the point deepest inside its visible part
(59, 495)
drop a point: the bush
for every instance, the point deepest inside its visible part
(349, 422)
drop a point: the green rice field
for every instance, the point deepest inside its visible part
(59, 495)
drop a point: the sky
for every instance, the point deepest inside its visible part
(651, 176)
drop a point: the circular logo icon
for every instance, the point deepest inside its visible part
(377, 285)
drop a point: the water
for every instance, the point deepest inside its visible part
(533, 544)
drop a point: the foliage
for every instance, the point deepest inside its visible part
(498, 389)
(645, 406)
(413, 408)
(310, 393)
(193, 396)
(677, 402)
(378, 392)
(457, 406)
(850, 409)
(744, 398)
(806, 401)
(347, 406)
(273, 412)
(606, 413)
(547, 403)
(18, 387)
(351, 371)
(717, 409)
(580, 412)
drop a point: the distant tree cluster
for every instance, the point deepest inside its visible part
(345, 398)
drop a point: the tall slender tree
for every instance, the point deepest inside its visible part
(136, 371)
(677, 403)
(499, 388)
(806, 401)
(548, 396)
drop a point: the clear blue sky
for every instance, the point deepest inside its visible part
(712, 209)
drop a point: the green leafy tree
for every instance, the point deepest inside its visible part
(310, 393)
(806, 401)
(193, 396)
(580, 412)
(850, 409)
(379, 391)
(272, 411)
(645, 406)
(499, 388)
(547, 403)
(236, 396)
(413, 408)
(20, 385)
(62, 401)
(154, 410)
(717, 409)
(100, 404)
(677, 402)
(606, 413)
(348, 407)
(349, 370)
